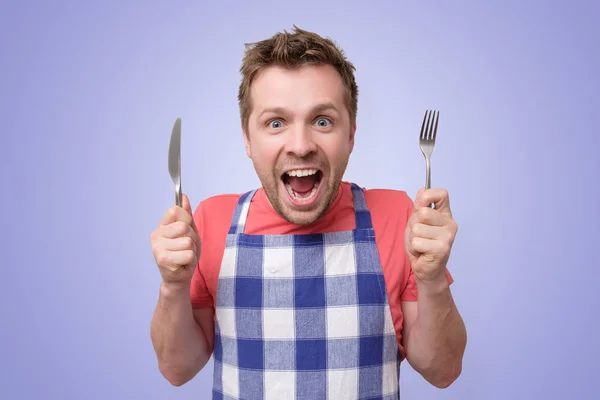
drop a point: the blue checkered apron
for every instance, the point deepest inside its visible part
(304, 316)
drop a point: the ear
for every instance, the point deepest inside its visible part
(352, 133)
(247, 143)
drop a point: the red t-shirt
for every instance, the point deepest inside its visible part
(390, 211)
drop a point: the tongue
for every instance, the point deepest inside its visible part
(302, 184)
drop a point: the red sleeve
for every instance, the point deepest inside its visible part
(411, 293)
(200, 295)
(212, 218)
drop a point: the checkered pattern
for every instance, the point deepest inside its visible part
(304, 316)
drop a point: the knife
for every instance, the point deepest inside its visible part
(175, 159)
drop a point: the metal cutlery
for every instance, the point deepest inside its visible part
(427, 141)
(175, 159)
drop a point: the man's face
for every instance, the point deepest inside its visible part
(300, 138)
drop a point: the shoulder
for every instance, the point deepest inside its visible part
(384, 195)
(388, 203)
(217, 205)
(214, 213)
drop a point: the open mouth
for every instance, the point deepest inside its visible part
(302, 185)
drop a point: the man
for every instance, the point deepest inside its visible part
(309, 287)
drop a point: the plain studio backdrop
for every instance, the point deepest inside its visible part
(89, 93)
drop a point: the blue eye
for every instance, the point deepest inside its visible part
(275, 124)
(323, 122)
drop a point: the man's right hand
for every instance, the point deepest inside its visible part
(182, 337)
(176, 246)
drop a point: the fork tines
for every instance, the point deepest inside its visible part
(430, 124)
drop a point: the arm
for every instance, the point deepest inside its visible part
(434, 335)
(182, 337)
(434, 332)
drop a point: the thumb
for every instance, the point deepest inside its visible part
(417, 204)
(185, 204)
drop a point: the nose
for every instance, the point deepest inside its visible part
(300, 141)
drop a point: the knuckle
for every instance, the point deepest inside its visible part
(189, 257)
(171, 268)
(424, 213)
(413, 220)
(157, 234)
(418, 216)
(188, 242)
(417, 229)
(195, 237)
(180, 228)
(189, 230)
(172, 213)
(444, 247)
(454, 226)
(162, 258)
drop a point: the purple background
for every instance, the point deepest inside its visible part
(89, 93)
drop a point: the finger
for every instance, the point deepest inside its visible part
(174, 260)
(428, 216)
(427, 246)
(177, 229)
(437, 196)
(417, 205)
(175, 244)
(408, 242)
(175, 257)
(185, 203)
(176, 214)
(428, 231)
(411, 250)
(419, 193)
(183, 257)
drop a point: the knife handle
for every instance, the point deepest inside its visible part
(178, 201)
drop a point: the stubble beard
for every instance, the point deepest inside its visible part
(271, 184)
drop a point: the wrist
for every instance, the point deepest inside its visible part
(433, 287)
(173, 290)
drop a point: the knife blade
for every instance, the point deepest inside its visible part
(175, 159)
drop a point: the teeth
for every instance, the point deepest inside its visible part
(300, 198)
(302, 172)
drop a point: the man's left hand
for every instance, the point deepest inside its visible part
(429, 236)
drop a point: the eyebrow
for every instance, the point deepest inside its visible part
(316, 109)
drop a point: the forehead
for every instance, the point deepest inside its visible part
(297, 89)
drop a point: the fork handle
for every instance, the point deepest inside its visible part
(427, 173)
(428, 177)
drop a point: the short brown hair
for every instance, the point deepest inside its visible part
(292, 50)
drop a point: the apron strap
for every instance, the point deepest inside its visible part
(361, 211)
(240, 214)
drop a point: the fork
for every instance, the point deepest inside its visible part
(427, 141)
